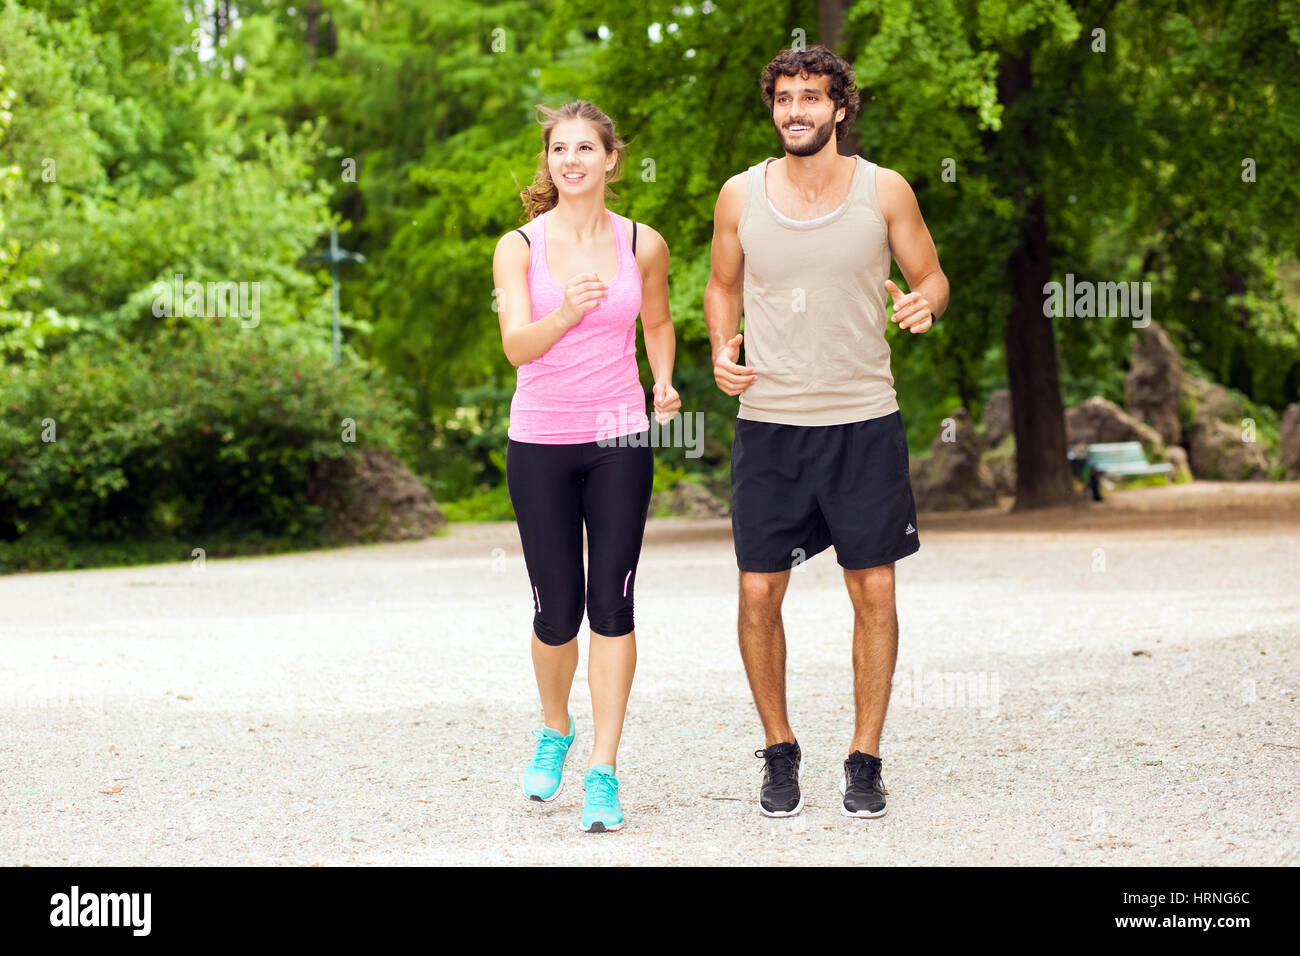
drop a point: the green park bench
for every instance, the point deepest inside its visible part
(1116, 459)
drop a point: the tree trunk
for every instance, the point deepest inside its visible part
(220, 22)
(830, 25)
(1042, 471)
(311, 16)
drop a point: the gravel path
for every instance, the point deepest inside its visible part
(1069, 691)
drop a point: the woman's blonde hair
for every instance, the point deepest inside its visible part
(542, 194)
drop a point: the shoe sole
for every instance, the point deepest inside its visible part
(599, 827)
(859, 814)
(798, 807)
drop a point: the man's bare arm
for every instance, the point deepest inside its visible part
(724, 295)
(913, 248)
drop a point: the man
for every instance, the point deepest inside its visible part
(820, 454)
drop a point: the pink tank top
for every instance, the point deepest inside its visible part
(586, 386)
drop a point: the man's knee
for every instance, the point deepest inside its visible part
(762, 592)
(870, 585)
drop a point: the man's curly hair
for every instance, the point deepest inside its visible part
(818, 60)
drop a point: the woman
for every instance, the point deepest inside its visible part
(570, 286)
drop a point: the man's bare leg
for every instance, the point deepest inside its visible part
(762, 648)
(875, 650)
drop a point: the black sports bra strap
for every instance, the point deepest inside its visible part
(633, 237)
(526, 239)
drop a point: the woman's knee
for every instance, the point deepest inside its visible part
(611, 622)
(554, 625)
(553, 635)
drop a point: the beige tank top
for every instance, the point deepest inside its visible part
(815, 308)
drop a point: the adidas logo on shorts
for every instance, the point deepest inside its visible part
(910, 529)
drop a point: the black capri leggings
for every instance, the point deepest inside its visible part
(554, 489)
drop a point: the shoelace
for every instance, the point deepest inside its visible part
(603, 788)
(550, 751)
(781, 766)
(869, 770)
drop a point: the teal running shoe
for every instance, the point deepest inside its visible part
(601, 810)
(544, 773)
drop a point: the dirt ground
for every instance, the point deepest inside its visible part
(1125, 682)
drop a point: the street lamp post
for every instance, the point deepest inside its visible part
(334, 257)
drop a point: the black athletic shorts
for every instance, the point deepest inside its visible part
(797, 489)
(555, 490)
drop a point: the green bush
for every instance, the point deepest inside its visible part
(489, 504)
(465, 457)
(667, 477)
(209, 432)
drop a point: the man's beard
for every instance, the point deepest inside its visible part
(810, 143)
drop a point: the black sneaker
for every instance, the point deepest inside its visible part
(864, 791)
(780, 796)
